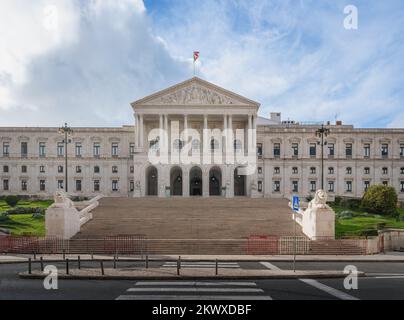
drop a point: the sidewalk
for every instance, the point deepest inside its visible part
(388, 257)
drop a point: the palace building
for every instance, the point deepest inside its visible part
(116, 161)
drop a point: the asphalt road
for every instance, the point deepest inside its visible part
(384, 281)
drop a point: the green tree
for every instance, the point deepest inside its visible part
(12, 201)
(380, 199)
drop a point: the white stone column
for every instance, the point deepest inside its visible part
(167, 142)
(206, 143)
(249, 134)
(137, 130)
(141, 131)
(186, 137)
(226, 138)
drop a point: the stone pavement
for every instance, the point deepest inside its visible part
(191, 218)
(388, 257)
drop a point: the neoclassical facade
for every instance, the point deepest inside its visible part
(197, 139)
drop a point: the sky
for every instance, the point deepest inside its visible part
(84, 61)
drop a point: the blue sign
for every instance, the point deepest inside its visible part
(295, 203)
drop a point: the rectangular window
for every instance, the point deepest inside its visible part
(277, 170)
(24, 149)
(385, 150)
(260, 170)
(313, 170)
(60, 184)
(259, 186)
(259, 150)
(385, 183)
(96, 169)
(366, 185)
(295, 186)
(61, 149)
(132, 186)
(331, 150)
(78, 185)
(42, 149)
(114, 150)
(6, 149)
(42, 185)
(401, 186)
(313, 149)
(385, 170)
(24, 185)
(60, 169)
(78, 169)
(367, 170)
(402, 170)
(349, 170)
(366, 150)
(132, 169)
(78, 149)
(277, 186)
(5, 169)
(114, 169)
(277, 150)
(313, 186)
(5, 185)
(295, 170)
(331, 186)
(132, 149)
(348, 185)
(96, 150)
(401, 150)
(331, 170)
(41, 169)
(348, 150)
(96, 185)
(24, 169)
(295, 149)
(115, 186)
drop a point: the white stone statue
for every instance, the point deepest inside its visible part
(319, 201)
(62, 200)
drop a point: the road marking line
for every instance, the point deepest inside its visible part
(190, 297)
(334, 292)
(195, 290)
(387, 277)
(194, 283)
(201, 262)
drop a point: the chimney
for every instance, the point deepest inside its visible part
(276, 116)
(338, 123)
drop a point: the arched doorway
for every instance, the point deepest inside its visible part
(239, 184)
(176, 181)
(195, 182)
(151, 181)
(215, 182)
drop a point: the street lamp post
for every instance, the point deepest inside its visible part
(321, 133)
(66, 131)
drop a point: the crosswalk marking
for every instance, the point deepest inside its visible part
(173, 264)
(162, 289)
(189, 297)
(194, 283)
(194, 290)
(332, 291)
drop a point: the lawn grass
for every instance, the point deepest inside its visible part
(362, 220)
(25, 224)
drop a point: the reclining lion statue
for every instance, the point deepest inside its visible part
(319, 201)
(62, 200)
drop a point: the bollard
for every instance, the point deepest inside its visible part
(147, 262)
(67, 266)
(178, 267)
(64, 254)
(92, 256)
(114, 262)
(34, 255)
(102, 267)
(179, 259)
(29, 266)
(79, 262)
(41, 259)
(217, 267)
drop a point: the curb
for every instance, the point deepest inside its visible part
(340, 275)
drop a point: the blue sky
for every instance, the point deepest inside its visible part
(85, 61)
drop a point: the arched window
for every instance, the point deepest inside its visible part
(237, 145)
(196, 145)
(178, 144)
(214, 144)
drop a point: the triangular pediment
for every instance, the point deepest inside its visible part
(195, 92)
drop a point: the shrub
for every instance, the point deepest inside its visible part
(381, 226)
(21, 210)
(12, 201)
(401, 218)
(350, 203)
(37, 215)
(381, 200)
(4, 218)
(346, 214)
(337, 200)
(369, 233)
